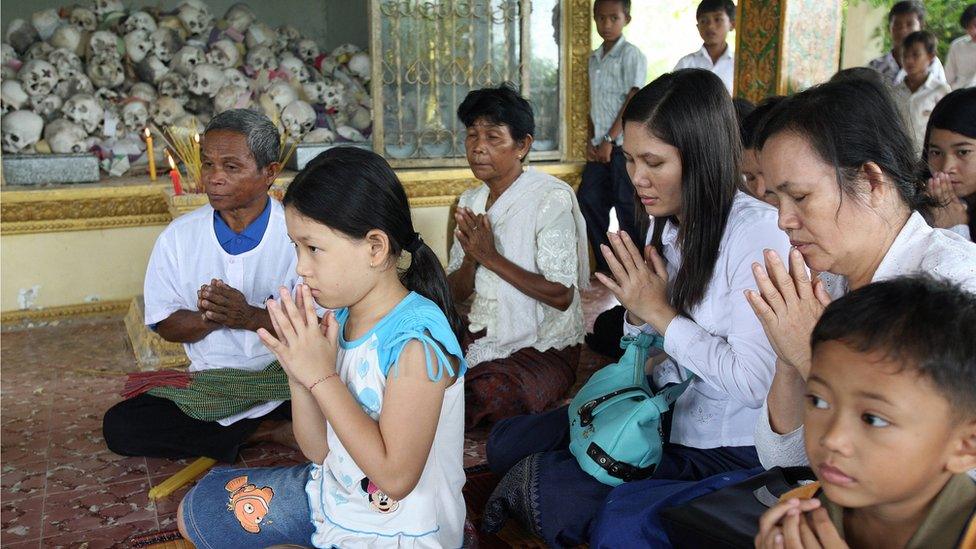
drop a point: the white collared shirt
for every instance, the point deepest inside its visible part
(918, 105)
(724, 67)
(187, 255)
(960, 67)
(723, 342)
(612, 76)
(891, 70)
(918, 248)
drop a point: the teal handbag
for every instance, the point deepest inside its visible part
(615, 419)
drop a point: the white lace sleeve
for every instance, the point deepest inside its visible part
(774, 449)
(556, 245)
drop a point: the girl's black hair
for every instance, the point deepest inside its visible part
(691, 110)
(956, 112)
(849, 123)
(354, 191)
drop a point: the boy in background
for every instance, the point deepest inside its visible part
(617, 70)
(890, 423)
(716, 19)
(904, 18)
(960, 67)
(919, 90)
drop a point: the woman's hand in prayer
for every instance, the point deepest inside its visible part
(220, 303)
(951, 211)
(798, 524)
(788, 305)
(639, 283)
(305, 348)
(474, 234)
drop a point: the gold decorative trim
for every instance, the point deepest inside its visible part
(576, 99)
(47, 314)
(99, 207)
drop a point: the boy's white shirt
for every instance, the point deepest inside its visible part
(612, 76)
(960, 67)
(919, 104)
(724, 68)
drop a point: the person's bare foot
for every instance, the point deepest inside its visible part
(278, 431)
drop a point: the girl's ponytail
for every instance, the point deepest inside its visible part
(426, 277)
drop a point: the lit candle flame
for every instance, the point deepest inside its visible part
(172, 165)
(147, 132)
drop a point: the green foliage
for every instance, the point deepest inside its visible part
(942, 18)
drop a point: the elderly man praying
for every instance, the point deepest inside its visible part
(209, 276)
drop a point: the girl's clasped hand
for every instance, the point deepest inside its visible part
(305, 347)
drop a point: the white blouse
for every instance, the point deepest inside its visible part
(918, 248)
(722, 342)
(556, 258)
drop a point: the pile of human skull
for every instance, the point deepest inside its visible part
(92, 78)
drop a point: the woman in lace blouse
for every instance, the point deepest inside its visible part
(520, 252)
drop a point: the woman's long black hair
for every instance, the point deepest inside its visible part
(691, 110)
(354, 191)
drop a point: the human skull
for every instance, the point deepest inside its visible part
(239, 17)
(166, 111)
(319, 135)
(104, 44)
(196, 21)
(187, 59)
(137, 45)
(192, 122)
(151, 69)
(12, 95)
(107, 97)
(67, 37)
(224, 53)
(84, 110)
(66, 62)
(231, 97)
(143, 91)
(83, 18)
(165, 42)
(332, 97)
(106, 72)
(38, 50)
(9, 53)
(45, 22)
(259, 34)
(20, 130)
(65, 137)
(47, 105)
(21, 34)
(281, 94)
(328, 65)
(314, 91)
(73, 85)
(361, 66)
(294, 67)
(139, 20)
(261, 58)
(38, 77)
(307, 50)
(344, 52)
(298, 118)
(350, 134)
(105, 7)
(205, 80)
(359, 117)
(173, 85)
(235, 77)
(135, 116)
(198, 4)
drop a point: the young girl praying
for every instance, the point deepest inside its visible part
(377, 385)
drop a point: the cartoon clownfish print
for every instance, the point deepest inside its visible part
(380, 501)
(249, 503)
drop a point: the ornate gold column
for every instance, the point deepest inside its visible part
(784, 46)
(576, 99)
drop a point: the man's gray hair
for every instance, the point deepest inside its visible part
(262, 135)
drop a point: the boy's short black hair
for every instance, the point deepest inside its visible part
(967, 15)
(924, 38)
(927, 324)
(707, 6)
(908, 6)
(749, 125)
(625, 4)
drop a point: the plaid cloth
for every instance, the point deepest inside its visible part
(212, 395)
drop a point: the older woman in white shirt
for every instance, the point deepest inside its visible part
(843, 169)
(682, 149)
(520, 250)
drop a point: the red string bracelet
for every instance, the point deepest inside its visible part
(321, 379)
